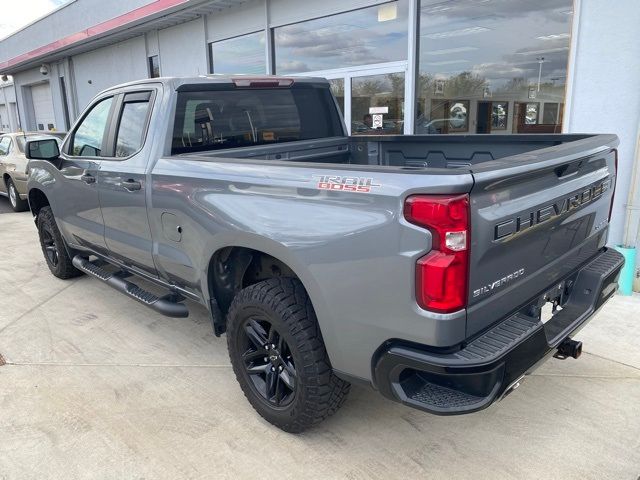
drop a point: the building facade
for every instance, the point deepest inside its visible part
(427, 66)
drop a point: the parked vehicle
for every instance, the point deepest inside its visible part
(330, 259)
(439, 125)
(13, 166)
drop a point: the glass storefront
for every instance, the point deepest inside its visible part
(361, 37)
(492, 66)
(337, 88)
(377, 104)
(483, 66)
(244, 54)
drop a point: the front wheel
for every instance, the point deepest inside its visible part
(53, 248)
(279, 357)
(16, 202)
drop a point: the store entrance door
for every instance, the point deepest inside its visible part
(483, 119)
(371, 98)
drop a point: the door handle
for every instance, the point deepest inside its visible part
(131, 185)
(88, 178)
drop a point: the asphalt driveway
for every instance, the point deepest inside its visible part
(97, 386)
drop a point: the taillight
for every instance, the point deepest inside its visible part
(615, 183)
(442, 274)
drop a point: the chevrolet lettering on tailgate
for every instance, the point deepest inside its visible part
(577, 200)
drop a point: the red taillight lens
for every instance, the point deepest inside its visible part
(615, 184)
(442, 274)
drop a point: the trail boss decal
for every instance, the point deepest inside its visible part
(345, 184)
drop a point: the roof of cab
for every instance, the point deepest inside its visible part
(176, 82)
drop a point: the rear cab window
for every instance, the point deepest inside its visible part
(229, 117)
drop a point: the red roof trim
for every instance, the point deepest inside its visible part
(154, 7)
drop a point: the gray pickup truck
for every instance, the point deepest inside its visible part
(437, 269)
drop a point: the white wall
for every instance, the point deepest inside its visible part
(8, 101)
(23, 82)
(605, 90)
(69, 18)
(108, 66)
(246, 18)
(183, 49)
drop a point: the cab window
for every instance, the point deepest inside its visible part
(5, 146)
(88, 137)
(132, 123)
(20, 141)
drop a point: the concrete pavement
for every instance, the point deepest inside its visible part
(5, 206)
(97, 386)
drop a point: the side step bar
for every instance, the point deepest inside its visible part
(167, 305)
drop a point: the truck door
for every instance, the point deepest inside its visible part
(77, 207)
(122, 184)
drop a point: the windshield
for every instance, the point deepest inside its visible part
(234, 117)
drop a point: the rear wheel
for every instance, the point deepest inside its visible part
(16, 202)
(278, 355)
(53, 248)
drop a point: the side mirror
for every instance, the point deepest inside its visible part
(46, 149)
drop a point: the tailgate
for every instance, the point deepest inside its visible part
(534, 218)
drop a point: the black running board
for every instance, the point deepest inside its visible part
(167, 305)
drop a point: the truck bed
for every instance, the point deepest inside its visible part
(510, 179)
(416, 152)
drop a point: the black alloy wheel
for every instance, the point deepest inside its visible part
(268, 362)
(278, 355)
(53, 247)
(49, 246)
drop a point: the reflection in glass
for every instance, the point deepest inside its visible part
(447, 116)
(499, 113)
(87, 139)
(370, 35)
(552, 113)
(385, 90)
(244, 54)
(214, 120)
(5, 143)
(513, 51)
(337, 88)
(131, 128)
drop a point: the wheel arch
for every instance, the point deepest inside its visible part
(236, 265)
(37, 200)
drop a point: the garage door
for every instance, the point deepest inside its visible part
(43, 107)
(4, 119)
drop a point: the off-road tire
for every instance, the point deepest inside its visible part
(15, 201)
(51, 241)
(318, 393)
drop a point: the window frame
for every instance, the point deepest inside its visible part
(210, 51)
(68, 143)
(112, 125)
(112, 134)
